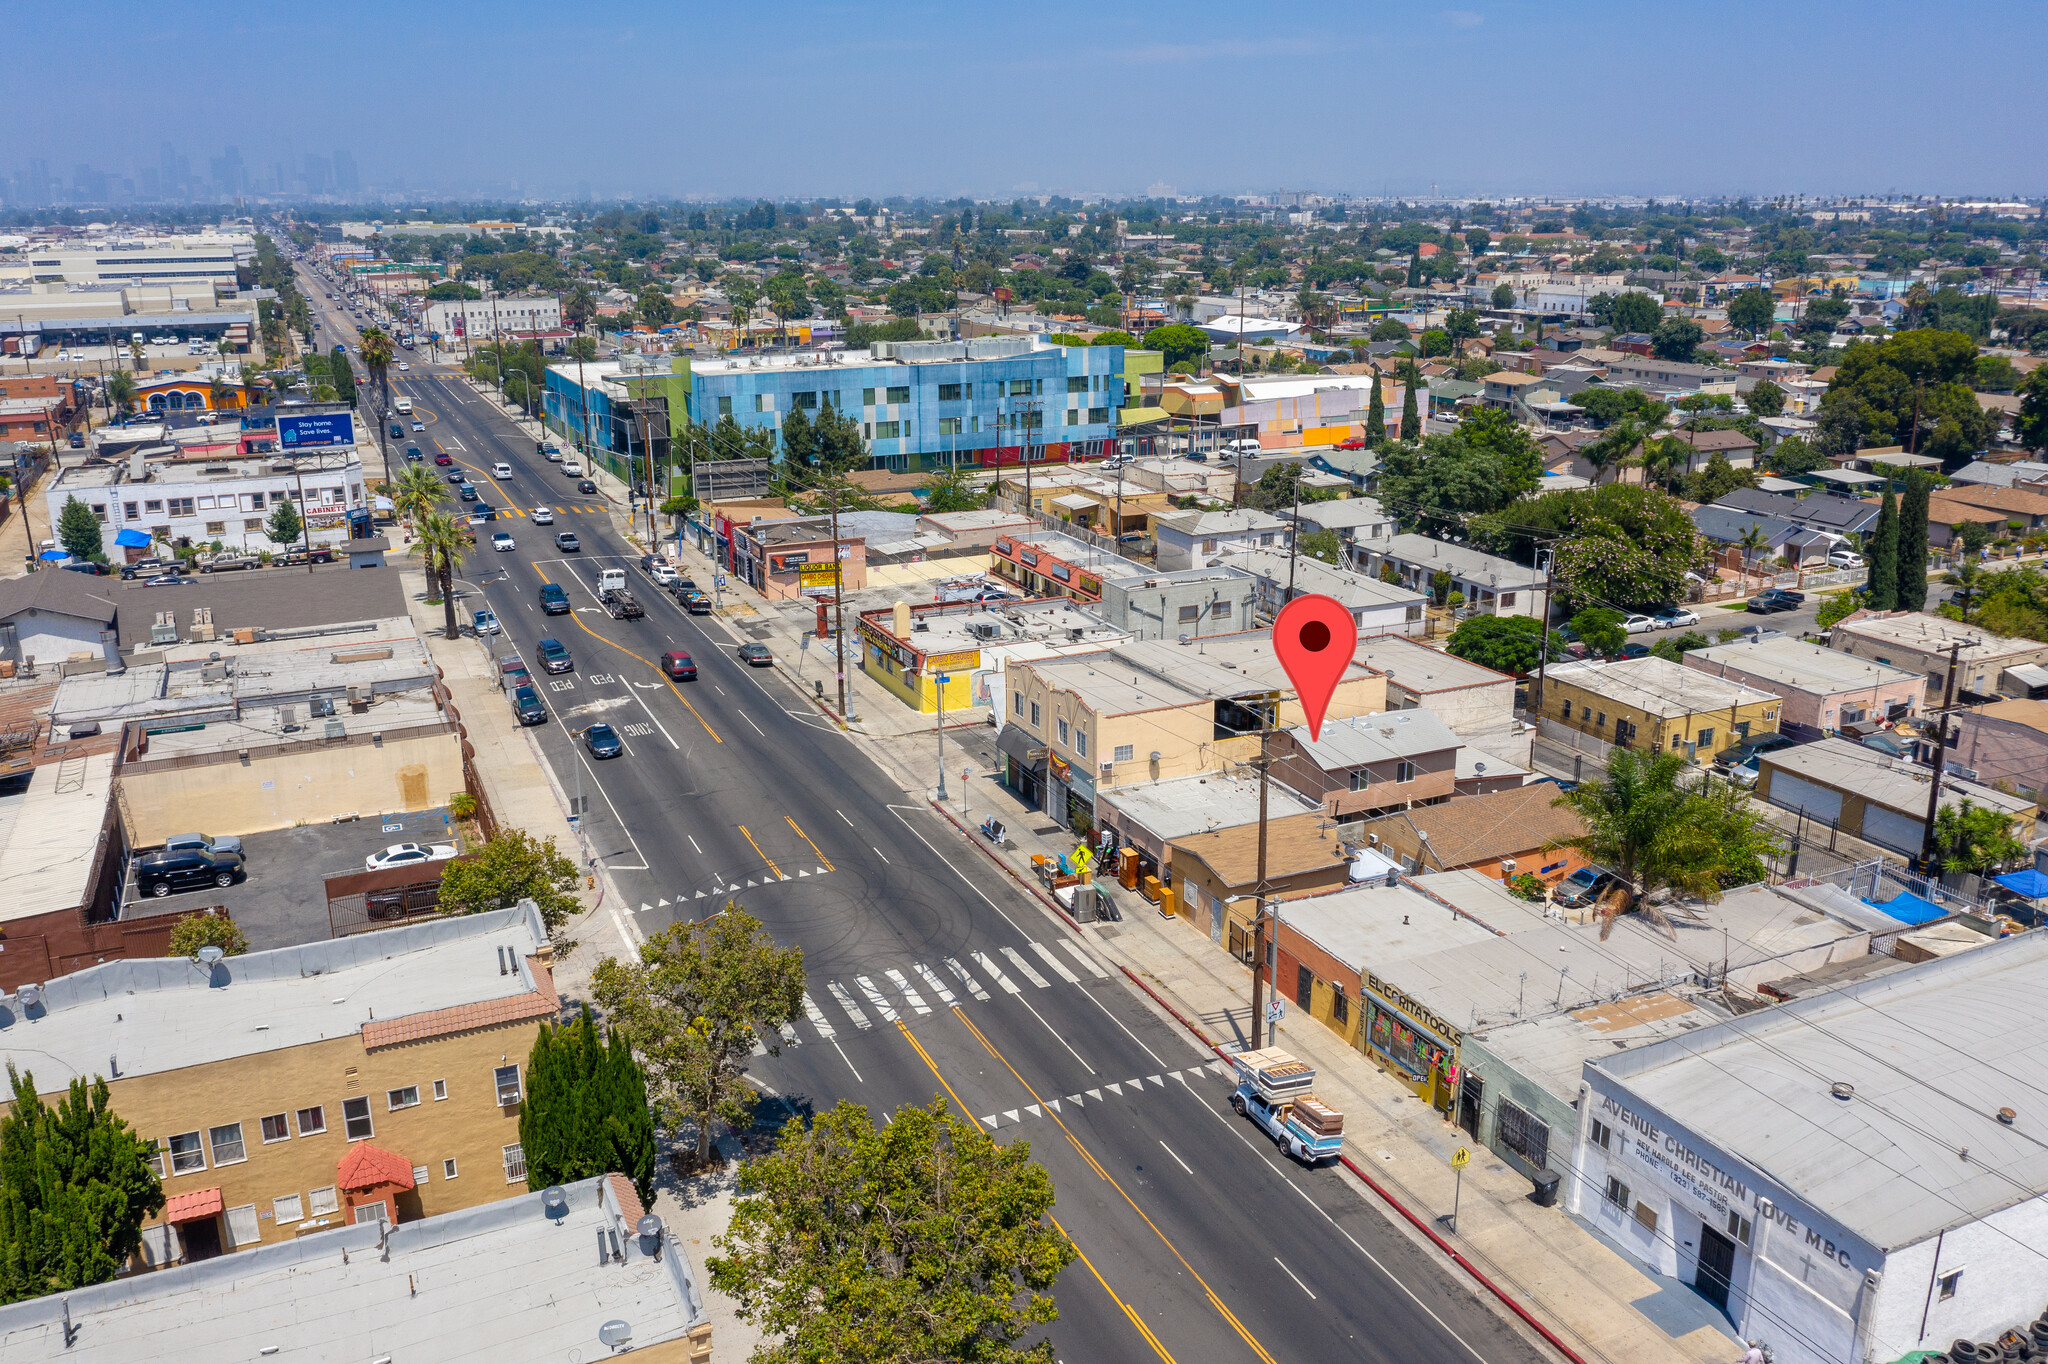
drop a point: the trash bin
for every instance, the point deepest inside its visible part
(1546, 1189)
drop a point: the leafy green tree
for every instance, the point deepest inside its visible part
(512, 866)
(1793, 455)
(701, 997)
(1376, 417)
(655, 307)
(2031, 425)
(1521, 460)
(1910, 575)
(1503, 295)
(1507, 644)
(1477, 240)
(1899, 390)
(449, 290)
(1881, 557)
(1766, 399)
(1180, 344)
(78, 531)
(1324, 545)
(585, 1112)
(1971, 838)
(75, 1186)
(1676, 338)
(1836, 607)
(195, 931)
(343, 376)
(285, 525)
(1606, 406)
(1436, 341)
(1634, 311)
(1433, 484)
(1391, 329)
(1751, 312)
(1462, 324)
(924, 1239)
(1618, 543)
(442, 541)
(953, 490)
(1599, 629)
(578, 307)
(1659, 828)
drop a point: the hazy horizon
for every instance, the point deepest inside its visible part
(1519, 97)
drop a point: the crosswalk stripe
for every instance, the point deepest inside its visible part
(876, 998)
(996, 972)
(817, 1017)
(973, 986)
(1017, 960)
(789, 1035)
(1074, 950)
(905, 988)
(931, 978)
(860, 1020)
(1059, 967)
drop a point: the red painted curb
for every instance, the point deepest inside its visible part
(1419, 1223)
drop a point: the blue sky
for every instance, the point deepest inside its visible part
(793, 98)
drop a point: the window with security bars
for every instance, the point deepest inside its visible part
(515, 1163)
(1304, 986)
(1523, 1133)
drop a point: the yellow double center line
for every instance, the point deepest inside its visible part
(814, 847)
(1095, 1165)
(757, 849)
(630, 654)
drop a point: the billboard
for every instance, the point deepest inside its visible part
(315, 430)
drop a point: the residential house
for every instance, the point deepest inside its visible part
(2018, 474)
(1353, 520)
(1739, 450)
(1196, 539)
(1377, 608)
(1727, 527)
(1495, 585)
(1871, 795)
(47, 617)
(1924, 643)
(1822, 689)
(1563, 453)
(1476, 702)
(1522, 831)
(1508, 391)
(2002, 745)
(1670, 376)
(1825, 512)
(2028, 507)
(1655, 704)
(1370, 762)
(1190, 602)
(277, 1112)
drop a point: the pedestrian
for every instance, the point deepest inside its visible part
(1755, 1354)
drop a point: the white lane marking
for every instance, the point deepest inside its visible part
(1075, 951)
(849, 1064)
(789, 1034)
(879, 853)
(996, 972)
(623, 828)
(843, 819)
(750, 721)
(938, 986)
(1055, 963)
(973, 986)
(907, 990)
(817, 1017)
(1297, 1281)
(1017, 960)
(860, 1020)
(1176, 1159)
(875, 999)
(693, 843)
(632, 948)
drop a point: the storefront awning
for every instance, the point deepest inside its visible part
(1016, 742)
(190, 1207)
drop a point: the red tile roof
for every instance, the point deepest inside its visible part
(187, 1207)
(629, 1200)
(366, 1166)
(490, 1013)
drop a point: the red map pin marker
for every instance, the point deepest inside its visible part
(1315, 638)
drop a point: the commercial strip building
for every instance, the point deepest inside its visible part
(1892, 1200)
(1872, 795)
(1921, 643)
(505, 1280)
(1190, 601)
(208, 258)
(1822, 689)
(178, 501)
(970, 643)
(480, 320)
(1049, 564)
(1656, 704)
(1151, 816)
(371, 1078)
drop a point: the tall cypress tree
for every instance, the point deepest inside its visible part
(629, 1123)
(1411, 425)
(1376, 417)
(586, 1110)
(1881, 588)
(1911, 557)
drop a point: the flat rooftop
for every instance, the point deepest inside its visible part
(1795, 664)
(1895, 783)
(1183, 806)
(1936, 634)
(286, 474)
(1657, 686)
(277, 601)
(267, 1001)
(976, 625)
(1917, 1147)
(53, 838)
(1418, 668)
(499, 1281)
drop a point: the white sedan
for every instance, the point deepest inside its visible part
(403, 365)
(543, 516)
(408, 854)
(501, 542)
(1636, 625)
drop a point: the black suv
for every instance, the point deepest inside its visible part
(161, 873)
(527, 706)
(1776, 599)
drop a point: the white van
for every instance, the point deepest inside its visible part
(573, 468)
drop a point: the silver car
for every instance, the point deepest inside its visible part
(227, 843)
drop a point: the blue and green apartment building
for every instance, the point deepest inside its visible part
(920, 404)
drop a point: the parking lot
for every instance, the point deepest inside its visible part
(283, 900)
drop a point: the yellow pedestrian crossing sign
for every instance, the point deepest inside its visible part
(1461, 1157)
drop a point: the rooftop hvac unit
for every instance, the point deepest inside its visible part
(164, 629)
(336, 730)
(320, 706)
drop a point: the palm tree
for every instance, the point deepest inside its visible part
(442, 540)
(1752, 543)
(377, 354)
(417, 492)
(1967, 578)
(1657, 829)
(121, 390)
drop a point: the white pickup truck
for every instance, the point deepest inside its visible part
(1273, 1091)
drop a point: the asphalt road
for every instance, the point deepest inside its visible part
(930, 977)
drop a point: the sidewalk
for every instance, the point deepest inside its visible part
(1600, 1305)
(517, 782)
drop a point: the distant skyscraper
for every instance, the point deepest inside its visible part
(39, 187)
(230, 177)
(167, 170)
(319, 174)
(346, 181)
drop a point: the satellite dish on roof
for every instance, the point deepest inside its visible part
(614, 1333)
(210, 956)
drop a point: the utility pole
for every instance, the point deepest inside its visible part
(839, 605)
(1259, 899)
(1948, 697)
(1545, 556)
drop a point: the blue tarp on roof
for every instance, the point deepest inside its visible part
(2029, 883)
(1910, 908)
(130, 538)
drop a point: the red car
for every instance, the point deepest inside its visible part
(1352, 443)
(678, 665)
(444, 458)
